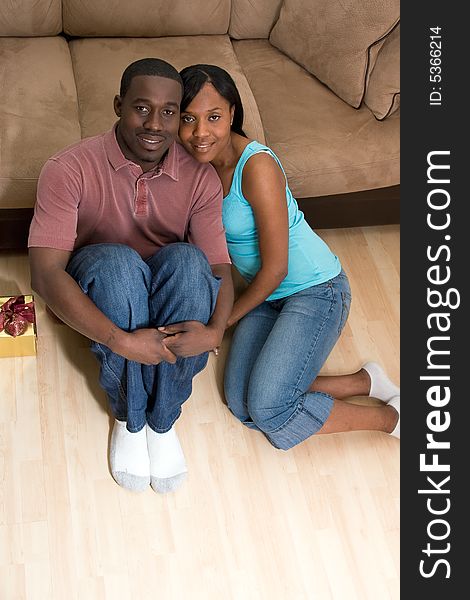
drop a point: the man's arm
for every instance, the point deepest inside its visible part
(65, 298)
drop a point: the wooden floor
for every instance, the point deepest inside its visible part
(251, 522)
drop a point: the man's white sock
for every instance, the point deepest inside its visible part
(128, 458)
(380, 385)
(167, 463)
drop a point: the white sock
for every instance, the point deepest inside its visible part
(167, 463)
(380, 385)
(128, 458)
(395, 402)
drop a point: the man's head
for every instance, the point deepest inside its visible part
(148, 110)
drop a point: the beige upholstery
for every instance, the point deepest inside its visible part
(383, 88)
(30, 17)
(38, 112)
(55, 90)
(99, 63)
(253, 19)
(145, 18)
(332, 39)
(324, 145)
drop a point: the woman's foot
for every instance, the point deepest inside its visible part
(167, 463)
(380, 385)
(128, 458)
(395, 403)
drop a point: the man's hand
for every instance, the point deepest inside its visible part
(144, 346)
(190, 338)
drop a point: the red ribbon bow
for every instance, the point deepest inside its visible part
(15, 315)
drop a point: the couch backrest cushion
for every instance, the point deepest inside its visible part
(332, 39)
(38, 112)
(383, 86)
(250, 19)
(99, 63)
(145, 18)
(27, 18)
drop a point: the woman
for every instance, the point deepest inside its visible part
(297, 299)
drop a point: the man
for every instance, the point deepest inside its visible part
(127, 238)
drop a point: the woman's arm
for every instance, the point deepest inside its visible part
(224, 305)
(190, 338)
(264, 186)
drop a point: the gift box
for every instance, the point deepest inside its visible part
(18, 335)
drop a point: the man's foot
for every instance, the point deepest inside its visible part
(395, 402)
(380, 385)
(128, 458)
(167, 463)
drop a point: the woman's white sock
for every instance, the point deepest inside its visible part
(380, 385)
(128, 458)
(167, 463)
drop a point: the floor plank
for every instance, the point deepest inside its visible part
(318, 522)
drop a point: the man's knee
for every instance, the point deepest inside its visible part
(109, 273)
(117, 256)
(180, 256)
(97, 258)
(184, 272)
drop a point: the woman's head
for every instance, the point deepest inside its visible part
(196, 77)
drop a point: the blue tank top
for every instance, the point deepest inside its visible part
(310, 261)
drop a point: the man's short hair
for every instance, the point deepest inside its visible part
(148, 66)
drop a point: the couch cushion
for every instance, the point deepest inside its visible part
(145, 18)
(332, 39)
(30, 18)
(383, 86)
(38, 112)
(253, 19)
(99, 63)
(325, 146)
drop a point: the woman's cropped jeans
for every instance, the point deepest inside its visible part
(175, 284)
(277, 352)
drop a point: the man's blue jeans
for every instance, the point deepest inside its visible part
(176, 284)
(277, 352)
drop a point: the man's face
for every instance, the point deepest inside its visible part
(148, 119)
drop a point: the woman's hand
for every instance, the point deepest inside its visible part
(231, 321)
(190, 338)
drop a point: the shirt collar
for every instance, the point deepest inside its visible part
(118, 160)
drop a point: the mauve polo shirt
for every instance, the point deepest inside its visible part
(89, 193)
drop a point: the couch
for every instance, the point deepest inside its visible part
(319, 80)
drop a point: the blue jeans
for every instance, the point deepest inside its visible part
(277, 352)
(175, 284)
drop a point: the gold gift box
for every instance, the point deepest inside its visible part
(21, 345)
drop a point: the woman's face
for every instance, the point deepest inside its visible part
(205, 125)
